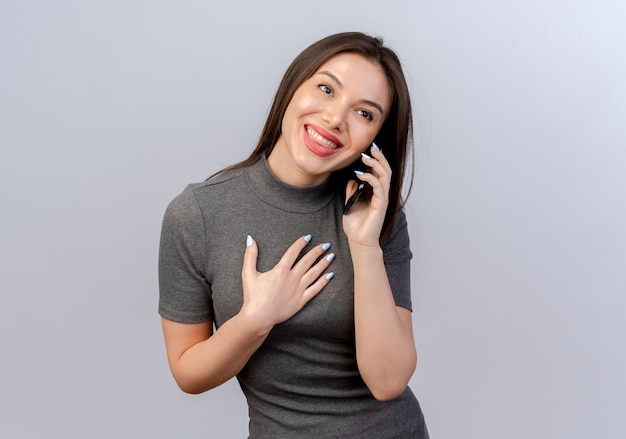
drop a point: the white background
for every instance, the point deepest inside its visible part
(517, 217)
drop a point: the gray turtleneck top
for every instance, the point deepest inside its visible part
(303, 382)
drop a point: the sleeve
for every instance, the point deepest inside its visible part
(397, 257)
(184, 293)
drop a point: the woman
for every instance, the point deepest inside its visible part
(318, 353)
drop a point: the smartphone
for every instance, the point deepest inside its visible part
(355, 197)
(361, 188)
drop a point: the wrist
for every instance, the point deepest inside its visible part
(369, 249)
(254, 323)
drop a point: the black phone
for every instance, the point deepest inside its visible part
(355, 197)
(361, 188)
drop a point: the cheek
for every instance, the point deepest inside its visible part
(355, 156)
(292, 113)
(362, 137)
(288, 119)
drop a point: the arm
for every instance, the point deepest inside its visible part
(201, 360)
(385, 347)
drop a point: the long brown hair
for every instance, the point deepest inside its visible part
(396, 133)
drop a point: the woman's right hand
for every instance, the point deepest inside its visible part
(201, 360)
(276, 295)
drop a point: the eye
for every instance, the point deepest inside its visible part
(326, 89)
(366, 114)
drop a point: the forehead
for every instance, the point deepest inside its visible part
(359, 75)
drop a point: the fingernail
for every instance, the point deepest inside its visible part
(326, 246)
(330, 275)
(330, 257)
(307, 238)
(376, 146)
(357, 172)
(248, 241)
(365, 155)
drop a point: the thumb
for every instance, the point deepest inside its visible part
(250, 256)
(351, 188)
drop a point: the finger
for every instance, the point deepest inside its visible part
(380, 169)
(250, 256)
(316, 270)
(380, 188)
(378, 164)
(368, 177)
(316, 287)
(290, 256)
(306, 262)
(377, 153)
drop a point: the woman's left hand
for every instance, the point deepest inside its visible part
(364, 221)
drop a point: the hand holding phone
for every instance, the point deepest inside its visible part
(361, 187)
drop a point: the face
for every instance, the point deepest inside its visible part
(331, 119)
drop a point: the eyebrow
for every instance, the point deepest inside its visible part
(365, 101)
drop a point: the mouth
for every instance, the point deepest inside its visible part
(319, 138)
(322, 145)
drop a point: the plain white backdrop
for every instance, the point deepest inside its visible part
(517, 216)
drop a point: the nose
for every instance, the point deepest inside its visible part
(335, 115)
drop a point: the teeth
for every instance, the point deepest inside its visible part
(315, 135)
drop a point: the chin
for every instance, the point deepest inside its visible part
(314, 169)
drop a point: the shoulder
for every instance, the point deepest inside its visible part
(188, 202)
(400, 221)
(217, 188)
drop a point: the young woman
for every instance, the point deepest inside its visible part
(310, 303)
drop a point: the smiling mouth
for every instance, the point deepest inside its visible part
(320, 139)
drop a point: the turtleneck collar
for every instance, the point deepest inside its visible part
(276, 193)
